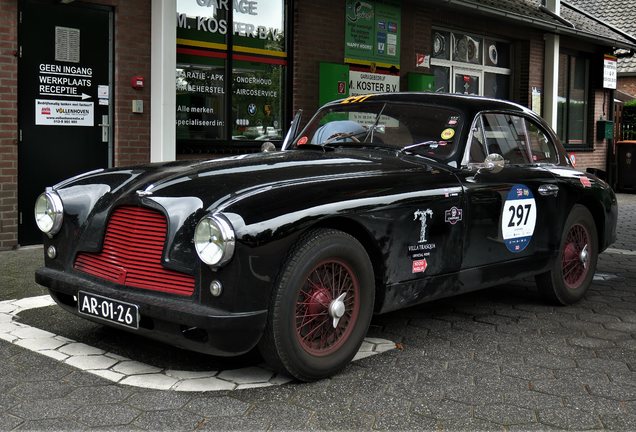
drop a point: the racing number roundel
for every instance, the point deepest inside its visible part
(519, 218)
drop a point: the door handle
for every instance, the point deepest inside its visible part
(104, 125)
(549, 190)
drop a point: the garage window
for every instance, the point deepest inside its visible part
(470, 64)
(572, 101)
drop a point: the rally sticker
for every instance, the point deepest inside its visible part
(448, 133)
(419, 266)
(453, 215)
(519, 218)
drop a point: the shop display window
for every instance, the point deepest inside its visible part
(231, 75)
(256, 102)
(470, 64)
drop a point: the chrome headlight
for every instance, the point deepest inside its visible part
(49, 212)
(214, 240)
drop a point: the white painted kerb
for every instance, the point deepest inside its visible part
(123, 370)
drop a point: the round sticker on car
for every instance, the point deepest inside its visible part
(448, 133)
(519, 218)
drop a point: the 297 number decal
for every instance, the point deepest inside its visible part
(522, 212)
(518, 218)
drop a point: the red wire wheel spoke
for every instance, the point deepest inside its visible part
(574, 268)
(324, 284)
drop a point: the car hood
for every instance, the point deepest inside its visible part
(249, 188)
(220, 182)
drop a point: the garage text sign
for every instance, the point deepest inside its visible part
(64, 80)
(62, 88)
(364, 83)
(255, 22)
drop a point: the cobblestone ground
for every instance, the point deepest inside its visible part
(499, 359)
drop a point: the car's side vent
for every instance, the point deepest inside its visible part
(132, 252)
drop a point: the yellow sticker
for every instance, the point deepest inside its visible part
(356, 99)
(448, 133)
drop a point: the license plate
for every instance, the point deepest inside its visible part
(114, 311)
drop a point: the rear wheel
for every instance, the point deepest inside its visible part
(321, 306)
(574, 268)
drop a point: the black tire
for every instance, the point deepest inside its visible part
(300, 337)
(573, 270)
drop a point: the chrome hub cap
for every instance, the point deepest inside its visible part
(583, 257)
(337, 309)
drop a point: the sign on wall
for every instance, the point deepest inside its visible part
(372, 32)
(364, 83)
(609, 72)
(256, 24)
(361, 83)
(63, 113)
(70, 82)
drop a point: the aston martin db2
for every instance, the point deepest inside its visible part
(378, 203)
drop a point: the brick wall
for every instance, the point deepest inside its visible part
(319, 37)
(132, 58)
(415, 38)
(8, 124)
(596, 158)
(627, 84)
(535, 58)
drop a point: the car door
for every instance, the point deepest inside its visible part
(510, 222)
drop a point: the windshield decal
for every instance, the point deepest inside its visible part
(356, 99)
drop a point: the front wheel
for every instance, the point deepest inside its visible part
(321, 306)
(573, 270)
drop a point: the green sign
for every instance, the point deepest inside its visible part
(372, 32)
(334, 82)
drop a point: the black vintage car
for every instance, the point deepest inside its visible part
(381, 202)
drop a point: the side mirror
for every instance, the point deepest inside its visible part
(494, 163)
(268, 147)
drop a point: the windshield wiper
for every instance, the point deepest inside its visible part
(313, 147)
(421, 144)
(343, 135)
(375, 125)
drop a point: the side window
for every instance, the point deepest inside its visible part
(477, 145)
(507, 135)
(542, 149)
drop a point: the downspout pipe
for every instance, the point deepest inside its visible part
(551, 67)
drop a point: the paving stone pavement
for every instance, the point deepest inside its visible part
(499, 359)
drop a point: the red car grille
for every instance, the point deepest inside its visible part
(131, 255)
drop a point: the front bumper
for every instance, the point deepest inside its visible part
(179, 322)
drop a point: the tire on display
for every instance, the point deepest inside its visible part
(321, 306)
(573, 270)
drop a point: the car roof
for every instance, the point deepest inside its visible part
(470, 104)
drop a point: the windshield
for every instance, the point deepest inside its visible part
(428, 130)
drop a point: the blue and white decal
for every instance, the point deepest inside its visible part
(519, 218)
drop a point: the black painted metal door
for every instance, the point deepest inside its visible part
(64, 98)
